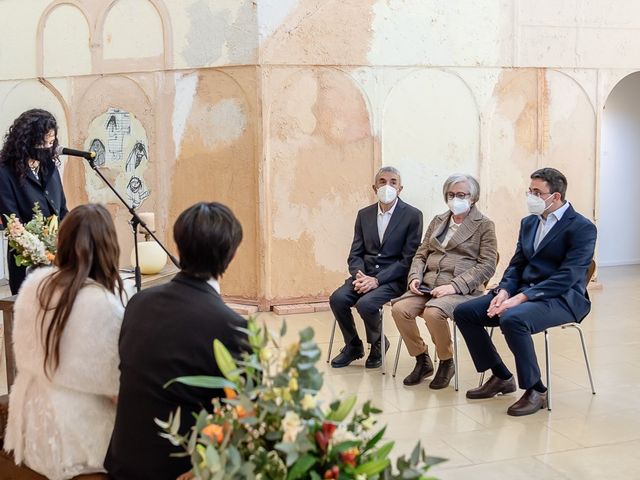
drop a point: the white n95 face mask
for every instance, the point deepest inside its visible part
(458, 206)
(536, 205)
(387, 194)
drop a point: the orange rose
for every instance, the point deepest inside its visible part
(230, 393)
(214, 432)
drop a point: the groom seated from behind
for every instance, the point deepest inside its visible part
(167, 332)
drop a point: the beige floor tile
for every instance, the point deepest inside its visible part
(433, 448)
(426, 425)
(513, 441)
(619, 462)
(601, 429)
(518, 469)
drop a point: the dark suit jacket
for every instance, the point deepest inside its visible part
(388, 261)
(19, 199)
(558, 268)
(167, 332)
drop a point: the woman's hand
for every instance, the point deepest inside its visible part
(413, 286)
(443, 291)
(186, 476)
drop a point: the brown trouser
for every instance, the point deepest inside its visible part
(404, 314)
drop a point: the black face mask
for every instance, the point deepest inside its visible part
(44, 155)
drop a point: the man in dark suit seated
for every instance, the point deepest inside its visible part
(387, 235)
(543, 286)
(168, 332)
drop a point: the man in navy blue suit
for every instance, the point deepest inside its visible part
(543, 286)
(386, 237)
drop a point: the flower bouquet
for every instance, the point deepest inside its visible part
(271, 424)
(34, 243)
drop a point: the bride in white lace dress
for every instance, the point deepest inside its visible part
(67, 323)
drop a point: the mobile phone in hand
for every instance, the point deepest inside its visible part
(424, 289)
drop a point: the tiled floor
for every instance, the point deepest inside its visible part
(584, 437)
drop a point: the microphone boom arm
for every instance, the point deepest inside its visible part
(135, 220)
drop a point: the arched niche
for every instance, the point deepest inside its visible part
(320, 163)
(95, 99)
(430, 129)
(214, 130)
(134, 35)
(618, 224)
(537, 118)
(66, 39)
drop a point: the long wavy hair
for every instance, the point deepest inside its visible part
(88, 252)
(20, 142)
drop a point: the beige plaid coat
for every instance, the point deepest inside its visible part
(467, 262)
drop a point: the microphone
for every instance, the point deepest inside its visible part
(60, 150)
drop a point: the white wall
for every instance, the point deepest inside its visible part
(619, 222)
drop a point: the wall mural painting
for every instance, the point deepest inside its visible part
(121, 145)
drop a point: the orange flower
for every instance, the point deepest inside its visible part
(241, 411)
(214, 432)
(50, 256)
(349, 456)
(230, 393)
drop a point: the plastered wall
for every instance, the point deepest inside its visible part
(284, 109)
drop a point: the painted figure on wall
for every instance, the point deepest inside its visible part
(112, 134)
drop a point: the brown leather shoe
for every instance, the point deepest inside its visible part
(446, 370)
(492, 387)
(529, 403)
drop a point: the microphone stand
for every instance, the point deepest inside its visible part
(134, 222)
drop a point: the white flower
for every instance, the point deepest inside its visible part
(342, 435)
(291, 426)
(368, 423)
(308, 402)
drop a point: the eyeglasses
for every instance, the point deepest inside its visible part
(460, 195)
(537, 193)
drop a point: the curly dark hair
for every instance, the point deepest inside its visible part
(27, 132)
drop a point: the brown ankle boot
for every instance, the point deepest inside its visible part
(446, 370)
(423, 369)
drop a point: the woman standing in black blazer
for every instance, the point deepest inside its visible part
(29, 174)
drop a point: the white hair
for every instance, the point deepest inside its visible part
(474, 186)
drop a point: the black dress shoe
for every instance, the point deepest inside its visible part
(374, 360)
(529, 403)
(423, 369)
(446, 370)
(492, 387)
(348, 354)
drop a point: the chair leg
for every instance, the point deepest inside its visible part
(395, 365)
(333, 332)
(548, 362)
(455, 356)
(482, 374)
(584, 351)
(382, 342)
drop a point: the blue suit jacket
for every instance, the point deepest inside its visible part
(558, 268)
(390, 260)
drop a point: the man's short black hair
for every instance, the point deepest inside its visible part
(207, 236)
(555, 179)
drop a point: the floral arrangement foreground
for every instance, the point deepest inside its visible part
(34, 243)
(271, 424)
